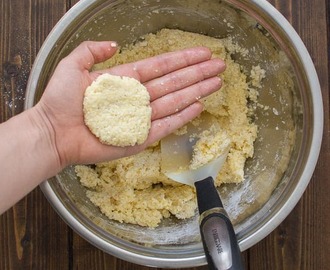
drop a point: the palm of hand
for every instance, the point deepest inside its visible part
(175, 82)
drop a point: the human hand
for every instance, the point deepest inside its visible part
(175, 82)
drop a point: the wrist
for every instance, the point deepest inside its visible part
(28, 155)
(43, 130)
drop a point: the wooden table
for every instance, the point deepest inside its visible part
(32, 235)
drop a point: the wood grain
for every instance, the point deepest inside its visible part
(29, 228)
(304, 234)
(33, 236)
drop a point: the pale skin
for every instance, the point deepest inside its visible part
(40, 142)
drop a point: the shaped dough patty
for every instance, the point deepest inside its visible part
(117, 110)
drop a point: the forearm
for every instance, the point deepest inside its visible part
(27, 155)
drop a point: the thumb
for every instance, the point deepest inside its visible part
(89, 53)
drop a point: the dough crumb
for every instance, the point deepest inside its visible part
(257, 74)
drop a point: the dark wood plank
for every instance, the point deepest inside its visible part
(32, 236)
(299, 242)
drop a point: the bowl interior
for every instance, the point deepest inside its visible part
(284, 119)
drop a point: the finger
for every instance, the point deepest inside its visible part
(177, 101)
(89, 53)
(160, 128)
(162, 64)
(184, 77)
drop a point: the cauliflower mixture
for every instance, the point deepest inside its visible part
(134, 189)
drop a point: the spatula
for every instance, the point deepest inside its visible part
(217, 232)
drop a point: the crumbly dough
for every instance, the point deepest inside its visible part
(212, 143)
(117, 110)
(134, 189)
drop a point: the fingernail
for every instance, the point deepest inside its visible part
(113, 44)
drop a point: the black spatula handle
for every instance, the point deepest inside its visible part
(218, 235)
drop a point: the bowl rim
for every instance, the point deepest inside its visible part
(257, 235)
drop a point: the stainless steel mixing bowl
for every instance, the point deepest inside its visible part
(290, 130)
